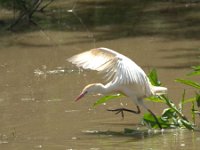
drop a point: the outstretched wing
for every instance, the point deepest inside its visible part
(93, 59)
(117, 67)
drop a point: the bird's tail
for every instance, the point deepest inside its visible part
(158, 90)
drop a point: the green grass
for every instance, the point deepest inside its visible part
(172, 116)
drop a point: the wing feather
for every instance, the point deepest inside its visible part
(117, 68)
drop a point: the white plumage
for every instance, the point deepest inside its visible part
(122, 74)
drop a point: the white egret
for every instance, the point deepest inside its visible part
(122, 74)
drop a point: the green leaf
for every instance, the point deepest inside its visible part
(187, 124)
(196, 71)
(153, 77)
(170, 116)
(196, 68)
(155, 99)
(198, 100)
(189, 82)
(107, 98)
(168, 113)
(150, 120)
(173, 106)
(189, 100)
(182, 101)
(193, 113)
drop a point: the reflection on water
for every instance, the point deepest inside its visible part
(38, 85)
(172, 139)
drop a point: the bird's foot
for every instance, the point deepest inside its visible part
(121, 110)
(117, 111)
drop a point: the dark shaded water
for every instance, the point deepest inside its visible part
(38, 86)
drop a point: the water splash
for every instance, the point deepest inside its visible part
(44, 72)
(27, 99)
(3, 139)
(69, 111)
(54, 100)
(90, 131)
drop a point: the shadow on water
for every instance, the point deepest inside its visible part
(151, 139)
(113, 19)
(133, 130)
(137, 134)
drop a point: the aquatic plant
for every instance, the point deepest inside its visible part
(172, 116)
(196, 86)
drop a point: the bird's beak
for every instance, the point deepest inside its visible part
(81, 95)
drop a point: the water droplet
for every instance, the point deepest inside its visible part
(74, 138)
(70, 10)
(94, 148)
(27, 99)
(162, 130)
(90, 109)
(68, 111)
(3, 142)
(90, 131)
(54, 100)
(38, 146)
(182, 145)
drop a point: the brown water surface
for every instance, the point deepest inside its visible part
(38, 85)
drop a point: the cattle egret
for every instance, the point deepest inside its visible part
(122, 75)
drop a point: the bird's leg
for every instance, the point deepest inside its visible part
(140, 101)
(156, 119)
(121, 110)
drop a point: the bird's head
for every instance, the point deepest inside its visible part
(90, 89)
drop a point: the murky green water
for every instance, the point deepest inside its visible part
(38, 85)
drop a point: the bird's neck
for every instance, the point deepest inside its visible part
(100, 88)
